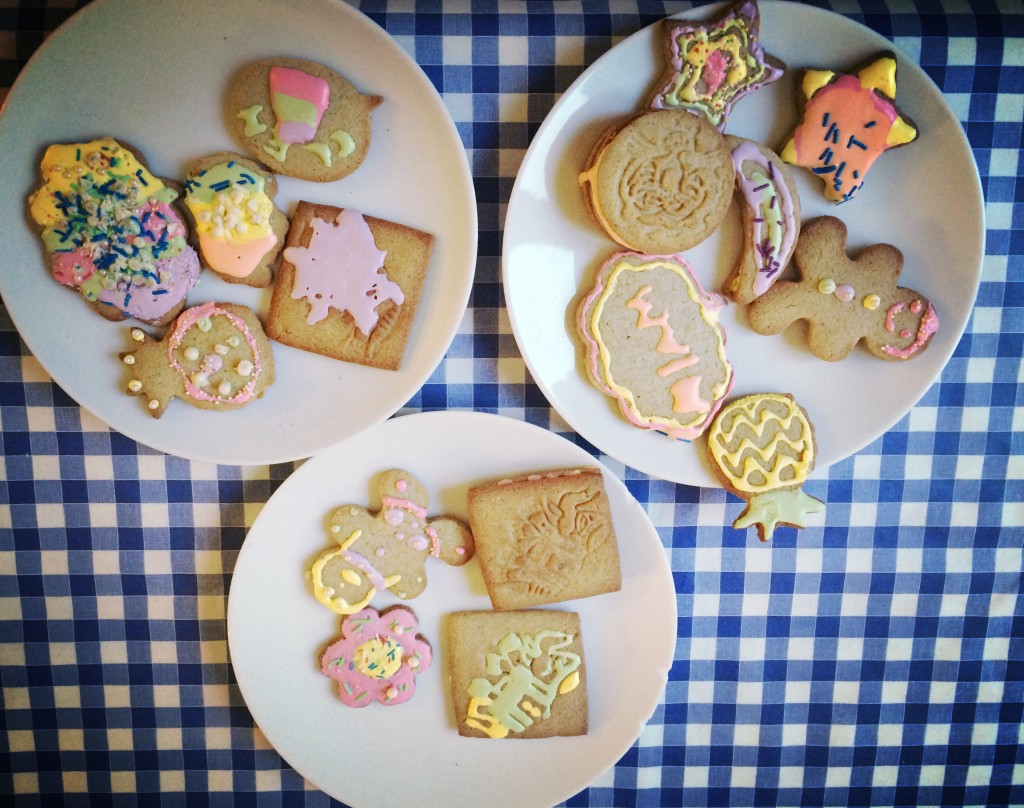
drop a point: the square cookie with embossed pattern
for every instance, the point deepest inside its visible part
(545, 538)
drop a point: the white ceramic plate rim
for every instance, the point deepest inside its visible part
(551, 248)
(416, 173)
(276, 627)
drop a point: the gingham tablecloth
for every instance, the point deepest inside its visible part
(877, 661)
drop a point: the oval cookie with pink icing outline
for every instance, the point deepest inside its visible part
(385, 550)
(216, 357)
(652, 342)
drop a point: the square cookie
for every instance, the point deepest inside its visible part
(517, 674)
(349, 285)
(545, 538)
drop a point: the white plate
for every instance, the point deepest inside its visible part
(412, 754)
(925, 198)
(154, 74)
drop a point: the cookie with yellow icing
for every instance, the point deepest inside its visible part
(659, 182)
(709, 66)
(762, 448)
(216, 357)
(300, 118)
(518, 674)
(385, 550)
(238, 229)
(113, 232)
(848, 121)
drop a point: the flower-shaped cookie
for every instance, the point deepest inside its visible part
(387, 549)
(377, 657)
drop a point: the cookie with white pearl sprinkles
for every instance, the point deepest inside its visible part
(300, 118)
(112, 231)
(377, 657)
(239, 231)
(385, 550)
(847, 300)
(216, 357)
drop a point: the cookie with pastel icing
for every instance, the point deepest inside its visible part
(377, 657)
(848, 121)
(215, 357)
(300, 118)
(113, 232)
(659, 182)
(709, 66)
(846, 300)
(517, 674)
(652, 342)
(545, 537)
(238, 229)
(348, 285)
(762, 448)
(385, 550)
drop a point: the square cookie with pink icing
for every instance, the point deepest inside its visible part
(349, 285)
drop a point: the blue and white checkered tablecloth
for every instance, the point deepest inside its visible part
(876, 661)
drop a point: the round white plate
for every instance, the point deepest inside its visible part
(925, 198)
(412, 754)
(154, 74)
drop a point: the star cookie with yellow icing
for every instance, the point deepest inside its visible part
(711, 65)
(849, 120)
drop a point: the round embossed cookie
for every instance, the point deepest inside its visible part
(661, 182)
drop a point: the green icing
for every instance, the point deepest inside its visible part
(788, 506)
(276, 149)
(200, 188)
(321, 150)
(346, 145)
(252, 121)
(298, 110)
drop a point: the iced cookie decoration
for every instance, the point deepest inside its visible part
(377, 657)
(239, 229)
(652, 341)
(849, 120)
(845, 301)
(659, 183)
(386, 550)
(112, 233)
(216, 357)
(770, 209)
(710, 66)
(762, 448)
(348, 285)
(545, 537)
(300, 118)
(517, 674)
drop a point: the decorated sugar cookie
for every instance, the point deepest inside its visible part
(216, 357)
(386, 550)
(377, 657)
(653, 343)
(300, 118)
(710, 66)
(112, 233)
(239, 229)
(762, 448)
(844, 300)
(849, 120)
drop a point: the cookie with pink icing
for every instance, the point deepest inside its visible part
(349, 285)
(385, 550)
(769, 206)
(377, 657)
(653, 343)
(300, 118)
(847, 300)
(216, 357)
(712, 65)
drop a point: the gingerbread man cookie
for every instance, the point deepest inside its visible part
(386, 549)
(847, 300)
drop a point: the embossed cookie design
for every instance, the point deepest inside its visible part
(386, 550)
(545, 538)
(660, 183)
(845, 301)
